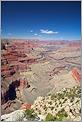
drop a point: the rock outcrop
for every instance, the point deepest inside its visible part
(26, 106)
(76, 75)
(61, 106)
(13, 61)
(17, 115)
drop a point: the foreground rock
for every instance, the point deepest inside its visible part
(14, 116)
(63, 105)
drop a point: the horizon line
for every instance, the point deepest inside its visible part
(42, 39)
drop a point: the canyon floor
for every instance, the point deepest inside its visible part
(32, 68)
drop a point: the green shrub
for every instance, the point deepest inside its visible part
(50, 117)
(53, 96)
(61, 115)
(30, 115)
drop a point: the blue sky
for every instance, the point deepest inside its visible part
(43, 20)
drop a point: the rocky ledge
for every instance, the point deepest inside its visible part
(63, 105)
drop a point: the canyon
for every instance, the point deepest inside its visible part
(33, 68)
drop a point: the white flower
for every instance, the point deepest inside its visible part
(71, 115)
(67, 109)
(77, 118)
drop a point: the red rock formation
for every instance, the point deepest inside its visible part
(76, 75)
(4, 68)
(23, 83)
(26, 106)
(75, 44)
(14, 58)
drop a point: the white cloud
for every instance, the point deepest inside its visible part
(31, 31)
(48, 31)
(35, 34)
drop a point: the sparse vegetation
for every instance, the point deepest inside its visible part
(59, 105)
(50, 117)
(61, 115)
(30, 115)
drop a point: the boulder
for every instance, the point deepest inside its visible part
(26, 106)
(17, 115)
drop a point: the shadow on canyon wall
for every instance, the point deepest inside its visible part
(10, 94)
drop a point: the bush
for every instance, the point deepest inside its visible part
(50, 117)
(30, 115)
(61, 115)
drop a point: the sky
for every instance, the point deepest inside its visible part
(41, 20)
